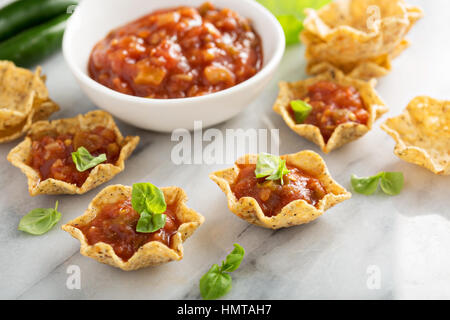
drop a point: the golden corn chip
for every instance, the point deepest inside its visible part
(44, 111)
(100, 174)
(422, 134)
(295, 213)
(150, 254)
(345, 132)
(365, 70)
(23, 100)
(359, 37)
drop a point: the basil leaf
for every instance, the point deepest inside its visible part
(84, 160)
(215, 284)
(301, 110)
(149, 201)
(159, 220)
(234, 259)
(147, 197)
(365, 185)
(270, 166)
(149, 223)
(282, 170)
(392, 182)
(266, 165)
(39, 221)
(145, 222)
(290, 14)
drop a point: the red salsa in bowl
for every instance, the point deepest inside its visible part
(177, 53)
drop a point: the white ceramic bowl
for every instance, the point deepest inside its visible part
(92, 21)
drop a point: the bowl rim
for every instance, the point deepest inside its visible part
(261, 74)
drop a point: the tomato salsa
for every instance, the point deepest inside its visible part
(115, 224)
(51, 155)
(179, 52)
(333, 104)
(271, 195)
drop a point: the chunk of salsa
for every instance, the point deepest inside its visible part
(271, 195)
(332, 105)
(179, 52)
(115, 225)
(51, 155)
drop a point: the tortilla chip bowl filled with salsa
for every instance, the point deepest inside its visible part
(330, 109)
(111, 231)
(161, 65)
(278, 192)
(72, 155)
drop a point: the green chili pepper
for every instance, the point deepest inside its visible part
(33, 45)
(23, 14)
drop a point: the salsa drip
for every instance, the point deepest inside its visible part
(51, 155)
(271, 195)
(332, 105)
(116, 224)
(179, 52)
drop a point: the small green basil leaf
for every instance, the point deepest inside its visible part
(215, 283)
(282, 170)
(84, 160)
(270, 166)
(301, 110)
(149, 223)
(39, 221)
(159, 220)
(234, 259)
(147, 197)
(392, 182)
(145, 223)
(266, 165)
(365, 185)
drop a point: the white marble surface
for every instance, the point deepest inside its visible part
(406, 237)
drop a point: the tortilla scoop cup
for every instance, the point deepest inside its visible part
(23, 100)
(43, 112)
(295, 213)
(422, 134)
(100, 174)
(150, 254)
(345, 132)
(359, 37)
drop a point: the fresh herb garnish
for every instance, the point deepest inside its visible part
(290, 14)
(390, 182)
(301, 110)
(217, 282)
(270, 166)
(84, 160)
(148, 200)
(150, 222)
(39, 221)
